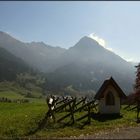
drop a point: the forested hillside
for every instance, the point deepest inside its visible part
(11, 65)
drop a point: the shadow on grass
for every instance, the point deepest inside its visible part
(138, 121)
(83, 124)
(105, 117)
(78, 123)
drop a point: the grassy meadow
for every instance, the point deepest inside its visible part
(97, 125)
(19, 120)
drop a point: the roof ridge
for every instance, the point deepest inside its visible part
(105, 85)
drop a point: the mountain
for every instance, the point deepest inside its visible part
(10, 65)
(84, 66)
(37, 54)
(87, 64)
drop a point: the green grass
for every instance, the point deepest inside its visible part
(14, 91)
(11, 95)
(17, 120)
(14, 95)
(20, 119)
(128, 119)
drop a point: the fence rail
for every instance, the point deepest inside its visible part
(74, 107)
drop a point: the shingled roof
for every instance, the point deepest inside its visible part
(106, 83)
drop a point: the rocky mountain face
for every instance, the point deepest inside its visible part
(84, 66)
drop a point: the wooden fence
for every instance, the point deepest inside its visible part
(75, 106)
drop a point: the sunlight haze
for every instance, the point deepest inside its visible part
(114, 24)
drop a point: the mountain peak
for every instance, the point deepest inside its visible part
(87, 43)
(100, 40)
(86, 39)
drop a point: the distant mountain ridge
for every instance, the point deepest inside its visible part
(37, 54)
(84, 66)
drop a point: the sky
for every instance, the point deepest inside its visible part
(62, 23)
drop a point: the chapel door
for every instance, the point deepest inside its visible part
(110, 99)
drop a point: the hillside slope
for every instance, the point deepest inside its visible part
(37, 54)
(87, 64)
(84, 66)
(11, 65)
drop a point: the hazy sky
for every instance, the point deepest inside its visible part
(60, 23)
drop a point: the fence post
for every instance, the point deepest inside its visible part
(89, 117)
(72, 110)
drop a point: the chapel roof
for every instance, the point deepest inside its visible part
(104, 86)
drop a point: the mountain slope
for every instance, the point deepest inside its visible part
(84, 66)
(10, 66)
(36, 54)
(87, 64)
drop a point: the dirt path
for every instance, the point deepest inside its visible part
(122, 133)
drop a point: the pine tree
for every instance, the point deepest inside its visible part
(137, 90)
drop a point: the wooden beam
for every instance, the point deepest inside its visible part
(82, 117)
(85, 105)
(63, 105)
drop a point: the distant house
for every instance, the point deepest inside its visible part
(109, 97)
